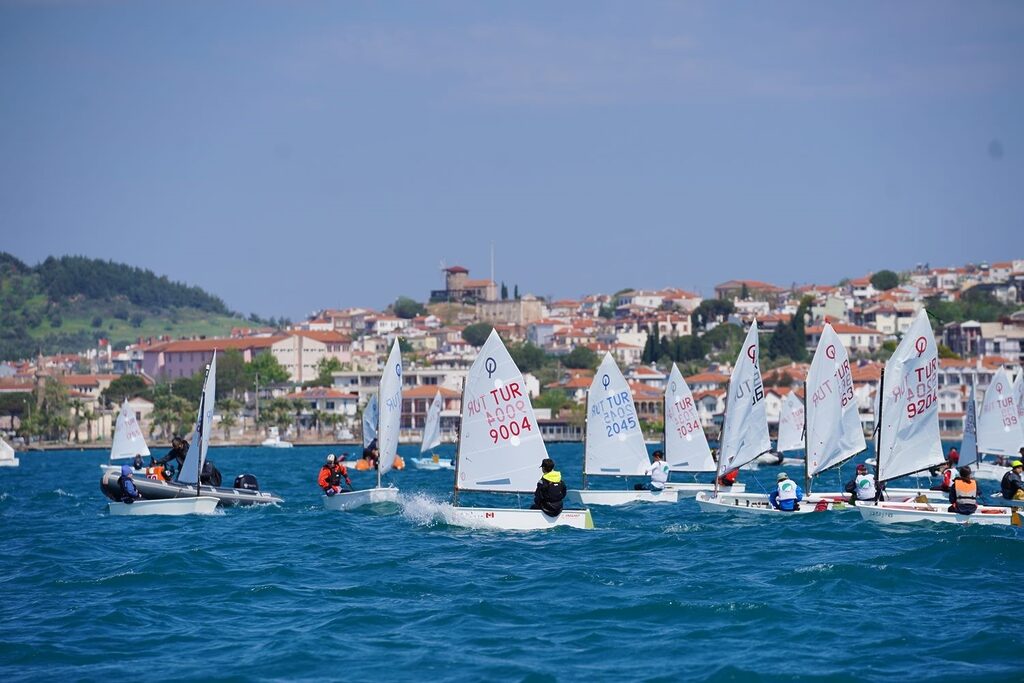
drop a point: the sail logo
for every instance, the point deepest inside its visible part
(752, 354)
(830, 352)
(490, 365)
(921, 345)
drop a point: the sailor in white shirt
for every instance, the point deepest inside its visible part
(658, 471)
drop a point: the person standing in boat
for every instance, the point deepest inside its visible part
(331, 475)
(126, 486)
(179, 449)
(1012, 487)
(964, 495)
(786, 495)
(550, 490)
(862, 487)
(657, 471)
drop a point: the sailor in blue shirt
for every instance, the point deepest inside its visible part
(786, 495)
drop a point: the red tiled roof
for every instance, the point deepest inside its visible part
(428, 391)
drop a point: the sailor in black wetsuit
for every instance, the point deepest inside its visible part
(179, 449)
(550, 490)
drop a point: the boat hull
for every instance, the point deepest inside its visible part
(13, 462)
(580, 497)
(517, 520)
(896, 513)
(989, 471)
(196, 505)
(429, 464)
(350, 500)
(691, 489)
(756, 504)
(152, 489)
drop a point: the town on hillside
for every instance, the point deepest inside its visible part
(309, 382)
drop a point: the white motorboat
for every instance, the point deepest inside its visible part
(193, 505)
(500, 446)
(273, 440)
(7, 455)
(389, 411)
(433, 463)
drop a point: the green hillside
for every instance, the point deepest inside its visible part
(66, 304)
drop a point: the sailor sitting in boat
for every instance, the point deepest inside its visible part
(862, 486)
(331, 475)
(550, 490)
(129, 494)
(964, 495)
(786, 495)
(1012, 487)
(657, 471)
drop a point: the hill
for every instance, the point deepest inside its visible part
(66, 304)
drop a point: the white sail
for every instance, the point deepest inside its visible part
(500, 447)
(969, 444)
(686, 445)
(791, 424)
(6, 451)
(998, 428)
(128, 439)
(615, 444)
(746, 424)
(196, 456)
(834, 433)
(390, 407)
(371, 415)
(910, 405)
(432, 426)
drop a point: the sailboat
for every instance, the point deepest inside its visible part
(686, 444)
(908, 431)
(185, 505)
(273, 439)
(129, 442)
(389, 404)
(745, 431)
(614, 443)
(186, 484)
(432, 439)
(791, 429)
(999, 430)
(500, 446)
(7, 455)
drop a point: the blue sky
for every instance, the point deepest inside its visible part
(296, 155)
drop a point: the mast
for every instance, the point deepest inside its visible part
(878, 435)
(586, 421)
(807, 453)
(379, 413)
(721, 437)
(458, 447)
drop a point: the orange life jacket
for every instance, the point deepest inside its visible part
(965, 492)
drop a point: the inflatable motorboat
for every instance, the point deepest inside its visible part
(157, 489)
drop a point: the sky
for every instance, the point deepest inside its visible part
(292, 156)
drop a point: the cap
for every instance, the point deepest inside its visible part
(1017, 463)
(547, 464)
(862, 467)
(782, 475)
(330, 458)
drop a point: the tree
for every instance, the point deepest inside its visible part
(553, 399)
(884, 280)
(407, 308)
(607, 311)
(527, 356)
(231, 375)
(172, 414)
(783, 343)
(745, 292)
(504, 292)
(229, 410)
(125, 386)
(268, 368)
(516, 294)
(711, 310)
(477, 333)
(582, 358)
(325, 369)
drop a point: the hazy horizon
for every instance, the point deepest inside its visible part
(288, 158)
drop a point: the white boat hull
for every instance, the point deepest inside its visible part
(691, 489)
(895, 513)
(13, 462)
(349, 500)
(990, 471)
(196, 505)
(276, 444)
(581, 497)
(756, 504)
(517, 520)
(430, 464)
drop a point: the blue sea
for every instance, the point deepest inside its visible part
(654, 593)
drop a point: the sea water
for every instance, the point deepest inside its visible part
(657, 592)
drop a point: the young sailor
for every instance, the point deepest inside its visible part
(862, 486)
(129, 494)
(786, 495)
(331, 475)
(657, 471)
(964, 495)
(1012, 487)
(550, 490)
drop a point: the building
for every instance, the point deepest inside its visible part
(458, 288)
(856, 339)
(523, 311)
(301, 351)
(972, 338)
(749, 289)
(185, 357)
